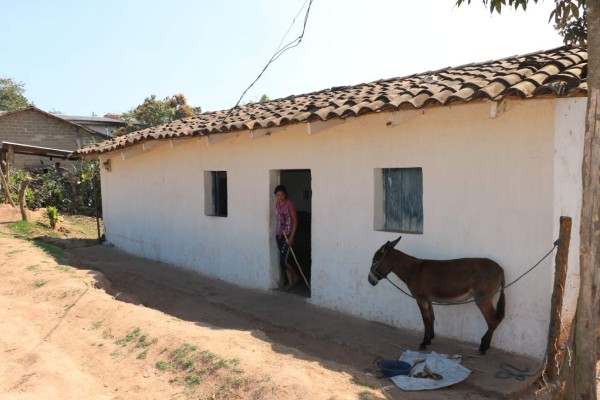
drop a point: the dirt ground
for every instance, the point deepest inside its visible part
(65, 338)
(67, 333)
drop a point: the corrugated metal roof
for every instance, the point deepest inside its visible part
(81, 119)
(559, 72)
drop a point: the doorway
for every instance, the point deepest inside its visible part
(298, 184)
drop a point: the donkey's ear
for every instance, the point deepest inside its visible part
(395, 242)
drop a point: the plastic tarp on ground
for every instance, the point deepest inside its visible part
(442, 366)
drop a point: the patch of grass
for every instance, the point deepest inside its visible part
(143, 342)
(231, 383)
(131, 336)
(86, 225)
(15, 252)
(96, 325)
(142, 355)
(193, 380)
(59, 254)
(181, 358)
(187, 364)
(207, 355)
(190, 366)
(180, 354)
(33, 267)
(219, 364)
(40, 283)
(63, 295)
(30, 230)
(22, 228)
(64, 268)
(235, 362)
(163, 365)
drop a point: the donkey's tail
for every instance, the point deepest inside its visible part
(501, 302)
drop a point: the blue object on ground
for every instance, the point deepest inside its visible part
(394, 367)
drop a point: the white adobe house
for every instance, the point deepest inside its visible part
(474, 161)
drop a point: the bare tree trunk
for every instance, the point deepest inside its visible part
(22, 203)
(588, 304)
(10, 156)
(6, 190)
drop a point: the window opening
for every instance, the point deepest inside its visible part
(215, 193)
(402, 199)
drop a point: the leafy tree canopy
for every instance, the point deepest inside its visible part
(154, 112)
(569, 16)
(11, 95)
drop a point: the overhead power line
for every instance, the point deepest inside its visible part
(280, 50)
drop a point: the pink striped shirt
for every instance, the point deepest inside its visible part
(284, 217)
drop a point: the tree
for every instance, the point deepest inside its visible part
(11, 95)
(154, 112)
(579, 22)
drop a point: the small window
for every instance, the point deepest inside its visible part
(215, 189)
(400, 200)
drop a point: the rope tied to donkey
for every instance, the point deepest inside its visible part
(556, 243)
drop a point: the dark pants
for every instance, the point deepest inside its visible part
(284, 251)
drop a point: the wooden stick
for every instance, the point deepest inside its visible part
(554, 354)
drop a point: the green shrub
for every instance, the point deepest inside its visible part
(70, 190)
(52, 213)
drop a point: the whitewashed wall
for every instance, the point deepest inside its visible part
(568, 156)
(492, 188)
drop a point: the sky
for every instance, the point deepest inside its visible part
(84, 57)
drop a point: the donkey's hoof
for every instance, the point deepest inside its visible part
(422, 347)
(482, 352)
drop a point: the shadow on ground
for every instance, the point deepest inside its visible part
(292, 325)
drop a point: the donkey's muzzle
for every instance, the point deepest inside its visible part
(373, 279)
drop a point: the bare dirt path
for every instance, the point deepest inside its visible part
(64, 338)
(71, 333)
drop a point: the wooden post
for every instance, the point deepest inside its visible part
(97, 202)
(556, 341)
(2, 164)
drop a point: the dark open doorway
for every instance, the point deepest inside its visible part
(298, 184)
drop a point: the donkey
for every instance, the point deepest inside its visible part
(448, 281)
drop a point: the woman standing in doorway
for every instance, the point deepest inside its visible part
(287, 224)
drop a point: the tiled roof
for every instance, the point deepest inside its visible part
(559, 72)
